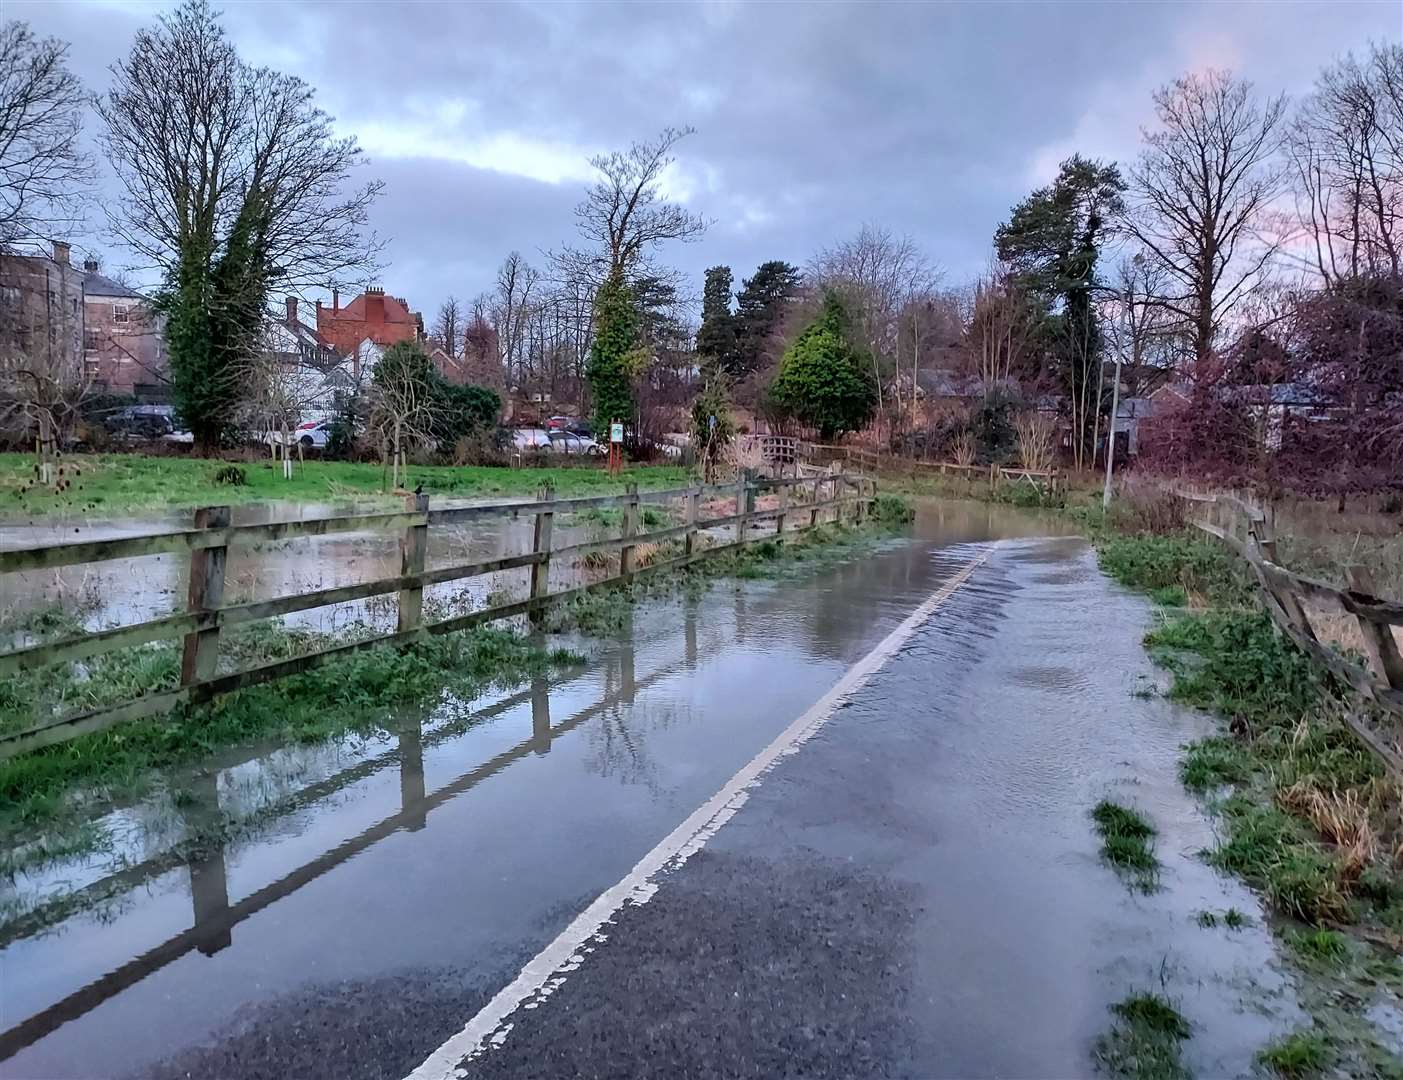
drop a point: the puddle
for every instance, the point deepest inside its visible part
(480, 823)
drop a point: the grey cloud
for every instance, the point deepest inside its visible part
(928, 118)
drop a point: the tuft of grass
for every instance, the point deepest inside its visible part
(1206, 919)
(1170, 596)
(1268, 849)
(1234, 919)
(888, 509)
(1319, 946)
(1301, 1054)
(1213, 762)
(1126, 842)
(1144, 1042)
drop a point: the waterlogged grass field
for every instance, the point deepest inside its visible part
(107, 484)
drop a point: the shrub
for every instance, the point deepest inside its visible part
(231, 475)
(824, 380)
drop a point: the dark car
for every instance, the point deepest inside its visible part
(572, 424)
(142, 422)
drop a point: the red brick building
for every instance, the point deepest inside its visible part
(384, 320)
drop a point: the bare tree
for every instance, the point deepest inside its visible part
(232, 177)
(401, 407)
(448, 328)
(512, 315)
(43, 167)
(1346, 151)
(1198, 195)
(624, 216)
(1002, 326)
(878, 272)
(1141, 331)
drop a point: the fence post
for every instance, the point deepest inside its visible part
(741, 504)
(630, 530)
(860, 511)
(818, 497)
(540, 544)
(1379, 643)
(200, 656)
(783, 509)
(413, 546)
(693, 508)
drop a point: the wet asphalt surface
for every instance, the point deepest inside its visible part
(917, 892)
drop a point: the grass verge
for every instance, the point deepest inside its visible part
(121, 483)
(1305, 813)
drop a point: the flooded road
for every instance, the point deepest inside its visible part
(928, 855)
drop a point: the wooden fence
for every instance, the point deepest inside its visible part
(802, 503)
(1045, 480)
(1288, 597)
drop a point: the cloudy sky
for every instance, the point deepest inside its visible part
(812, 118)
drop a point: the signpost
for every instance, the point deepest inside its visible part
(616, 448)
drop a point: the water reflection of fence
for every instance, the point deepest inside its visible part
(207, 545)
(1286, 594)
(215, 917)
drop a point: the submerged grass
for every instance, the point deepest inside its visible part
(1126, 843)
(354, 694)
(1144, 1042)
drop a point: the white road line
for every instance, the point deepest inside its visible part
(547, 970)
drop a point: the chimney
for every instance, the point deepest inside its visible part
(319, 312)
(335, 300)
(375, 305)
(61, 252)
(291, 311)
(90, 265)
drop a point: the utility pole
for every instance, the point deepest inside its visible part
(1115, 408)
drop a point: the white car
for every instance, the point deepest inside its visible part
(312, 435)
(565, 442)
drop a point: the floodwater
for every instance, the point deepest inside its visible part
(380, 891)
(123, 591)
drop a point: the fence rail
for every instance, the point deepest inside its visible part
(1285, 593)
(1047, 480)
(208, 543)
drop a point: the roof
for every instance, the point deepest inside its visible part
(396, 310)
(96, 284)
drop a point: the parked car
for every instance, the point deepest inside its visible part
(141, 421)
(530, 439)
(312, 434)
(564, 442)
(573, 424)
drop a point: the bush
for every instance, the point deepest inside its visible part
(824, 381)
(892, 510)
